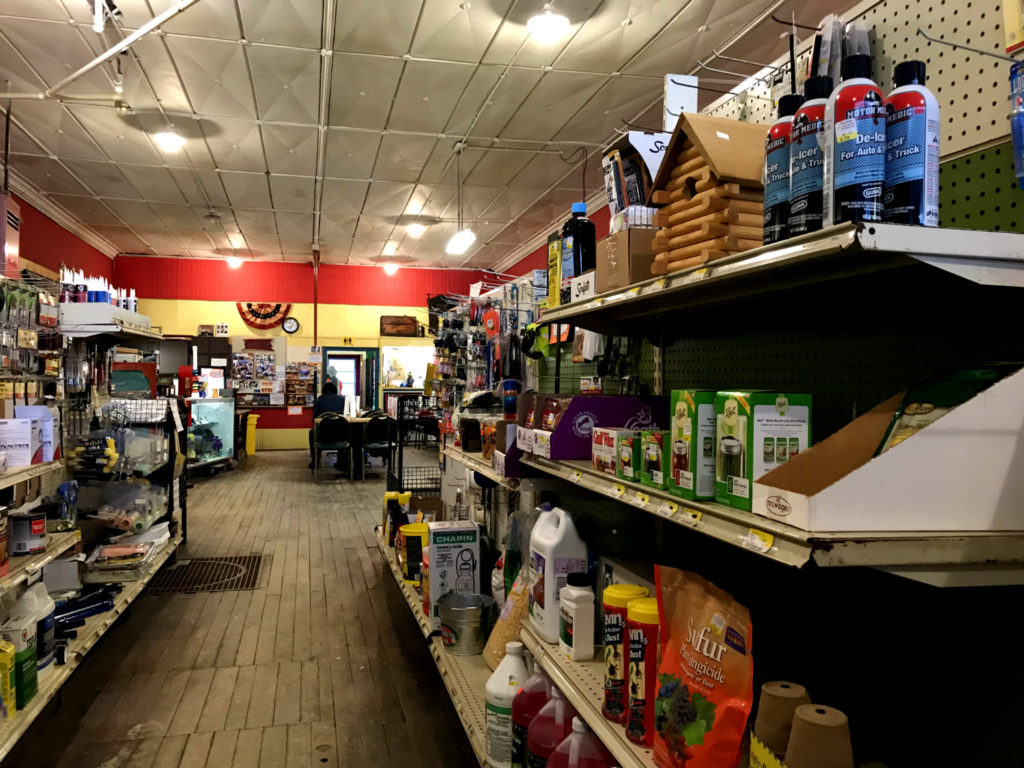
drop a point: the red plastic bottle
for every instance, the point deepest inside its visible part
(581, 749)
(529, 700)
(548, 729)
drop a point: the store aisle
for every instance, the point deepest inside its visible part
(321, 666)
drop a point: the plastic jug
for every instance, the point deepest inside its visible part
(581, 749)
(37, 603)
(531, 698)
(548, 729)
(499, 694)
(556, 550)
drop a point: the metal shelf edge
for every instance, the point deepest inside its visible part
(58, 544)
(20, 474)
(477, 465)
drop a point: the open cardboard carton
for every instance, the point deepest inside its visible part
(965, 472)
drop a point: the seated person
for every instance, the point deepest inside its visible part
(328, 402)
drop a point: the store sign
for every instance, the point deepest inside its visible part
(584, 287)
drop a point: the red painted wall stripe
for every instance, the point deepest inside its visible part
(213, 280)
(48, 244)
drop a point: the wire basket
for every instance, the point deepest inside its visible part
(422, 481)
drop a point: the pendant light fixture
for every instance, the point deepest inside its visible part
(547, 27)
(461, 241)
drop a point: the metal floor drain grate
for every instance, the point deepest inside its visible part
(213, 574)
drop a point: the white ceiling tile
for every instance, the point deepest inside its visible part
(362, 88)
(402, 158)
(123, 238)
(215, 76)
(254, 223)
(387, 198)
(474, 201)
(374, 228)
(551, 104)
(53, 126)
(55, 50)
(190, 187)
(510, 202)
(456, 31)
(181, 217)
(497, 167)
(87, 210)
(337, 228)
(287, 83)
(160, 72)
(121, 139)
(376, 26)
(104, 179)
(134, 213)
(211, 185)
(605, 43)
(292, 193)
(36, 9)
(366, 248)
(297, 258)
(153, 182)
(237, 146)
(246, 190)
(427, 95)
(283, 22)
(343, 198)
(17, 71)
(503, 103)
(619, 100)
(290, 149)
(351, 154)
(209, 18)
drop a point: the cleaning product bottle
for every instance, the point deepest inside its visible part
(579, 245)
(581, 749)
(531, 698)
(576, 618)
(854, 169)
(548, 729)
(776, 171)
(499, 693)
(805, 158)
(19, 628)
(912, 149)
(556, 550)
(38, 603)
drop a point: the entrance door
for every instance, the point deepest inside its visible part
(344, 370)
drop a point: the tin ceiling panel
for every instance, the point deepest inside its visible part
(240, 81)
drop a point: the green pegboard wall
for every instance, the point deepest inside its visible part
(979, 191)
(572, 372)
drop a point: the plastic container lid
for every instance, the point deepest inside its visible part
(578, 726)
(513, 648)
(789, 104)
(909, 73)
(619, 595)
(578, 580)
(818, 87)
(855, 65)
(579, 208)
(643, 610)
(414, 529)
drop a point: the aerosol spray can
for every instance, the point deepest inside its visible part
(776, 170)
(912, 149)
(806, 158)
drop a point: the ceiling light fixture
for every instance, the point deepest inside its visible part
(415, 231)
(169, 141)
(98, 20)
(234, 262)
(548, 27)
(390, 269)
(464, 237)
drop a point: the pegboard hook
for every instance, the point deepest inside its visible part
(702, 65)
(723, 57)
(940, 41)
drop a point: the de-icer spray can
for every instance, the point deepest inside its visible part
(854, 174)
(912, 153)
(776, 171)
(806, 158)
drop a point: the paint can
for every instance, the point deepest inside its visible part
(27, 532)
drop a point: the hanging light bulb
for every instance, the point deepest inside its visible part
(234, 262)
(169, 141)
(390, 269)
(548, 27)
(461, 241)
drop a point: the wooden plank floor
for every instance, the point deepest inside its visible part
(323, 666)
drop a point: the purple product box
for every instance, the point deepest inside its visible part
(572, 437)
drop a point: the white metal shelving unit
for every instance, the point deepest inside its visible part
(24, 566)
(16, 475)
(582, 682)
(463, 676)
(477, 463)
(95, 626)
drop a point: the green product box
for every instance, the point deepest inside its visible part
(692, 452)
(630, 457)
(755, 432)
(654, 470)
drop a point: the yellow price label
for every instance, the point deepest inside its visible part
(575, 476)
(618, 490)
(658, 285)
(78, 534)
(641, 499)
(846, 130)
(632, 292)
(758, 540)
(691, 516)
(667, 508)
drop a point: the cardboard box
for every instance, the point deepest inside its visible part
(22, 440)
(454, 562)
(692, 453)
(570, 438)
(630, 457)
(50, 421)
(542, 443)
(755, 432)
(604, 452)
(624, 258)
(7, 684)
(655, 466)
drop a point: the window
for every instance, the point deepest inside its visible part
(344, 370)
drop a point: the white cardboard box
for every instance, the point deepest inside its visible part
(50, 421)
(962, 473)
(524, 439)
(22, 439)
(542, 443)
(454, 562)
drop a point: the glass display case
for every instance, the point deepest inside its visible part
(211, 435)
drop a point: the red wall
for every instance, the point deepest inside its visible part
(48, 244)
(538, 259)
(214, 280)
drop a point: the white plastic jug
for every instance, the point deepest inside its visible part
(499, 692)
(556, 550)
(38, 603)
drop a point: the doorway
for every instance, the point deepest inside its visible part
(356, 372)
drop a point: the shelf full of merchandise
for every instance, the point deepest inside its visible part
(463, 676)
(95, 627)
(23, 567)
(477, 463)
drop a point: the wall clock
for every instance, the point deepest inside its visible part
(263, 315)
(290, 325)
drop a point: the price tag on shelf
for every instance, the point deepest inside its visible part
(667, 509)
(618, 490)
(691, 516)
(641, 499)
(759, 541)
(633, 292)
(658, 285)
(575, 476)
(696, 275)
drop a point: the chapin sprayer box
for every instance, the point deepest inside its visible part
(454, 562)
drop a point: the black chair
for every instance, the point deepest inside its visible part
(378, 443)
(331, 433)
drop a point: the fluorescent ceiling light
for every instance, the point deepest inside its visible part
(390, 269)
(390, 248)
(460, 242)
(169, 141)
(547, 27)
(234, 261)
(236, 240)
(415, 230)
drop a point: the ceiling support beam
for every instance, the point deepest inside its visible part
(323, 118)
